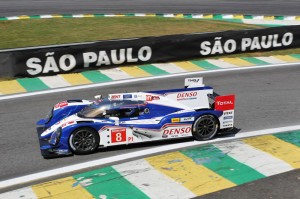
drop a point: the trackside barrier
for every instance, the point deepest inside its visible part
(51, 60)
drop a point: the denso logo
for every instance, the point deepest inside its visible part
(190, 94)
(176, 131)
(67, 124)
(224, 103)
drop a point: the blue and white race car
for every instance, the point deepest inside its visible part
(82, 126)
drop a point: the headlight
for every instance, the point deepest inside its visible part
(55, 137)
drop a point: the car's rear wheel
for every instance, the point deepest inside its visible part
(84, 141)
(205, 127)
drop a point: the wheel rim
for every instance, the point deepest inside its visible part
(83, 140)
(206, 127)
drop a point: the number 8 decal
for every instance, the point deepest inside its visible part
(118, 135)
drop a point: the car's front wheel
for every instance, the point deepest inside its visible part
(205, 127)
(84, 141)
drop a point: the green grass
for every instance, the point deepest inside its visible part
(36, 32)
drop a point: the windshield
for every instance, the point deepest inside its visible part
(111, 108)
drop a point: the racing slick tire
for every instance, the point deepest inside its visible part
(84, 141)
(205, 127)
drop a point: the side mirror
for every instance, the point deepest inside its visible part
(41, 122)
(98, 97)
(116, 119)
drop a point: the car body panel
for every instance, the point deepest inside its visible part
(141, 117)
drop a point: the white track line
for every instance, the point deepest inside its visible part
(140, 79)
(137, 154)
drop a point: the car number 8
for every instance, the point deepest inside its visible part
(118, 135)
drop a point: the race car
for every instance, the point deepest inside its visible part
(82, 126)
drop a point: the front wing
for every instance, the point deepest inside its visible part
(50, 151)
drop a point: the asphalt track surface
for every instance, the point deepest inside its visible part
(38, 7)
(265, 98)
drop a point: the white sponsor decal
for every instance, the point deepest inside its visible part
(187, 119)
(195, 80)
(228, 113)
(227, 125)
(228, 117)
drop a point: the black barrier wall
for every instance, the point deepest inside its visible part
(52, 60)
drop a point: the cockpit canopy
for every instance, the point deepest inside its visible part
(104, 108)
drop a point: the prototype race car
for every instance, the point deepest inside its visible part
(81, 126)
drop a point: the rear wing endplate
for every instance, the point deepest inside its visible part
(225, 104)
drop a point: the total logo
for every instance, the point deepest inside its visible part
(177, 131)
(224, 103)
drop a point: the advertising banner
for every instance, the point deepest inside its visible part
(51, 60)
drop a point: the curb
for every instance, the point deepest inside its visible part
(167, 15)
(184, 173)
(262, 20)
(23, 85)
